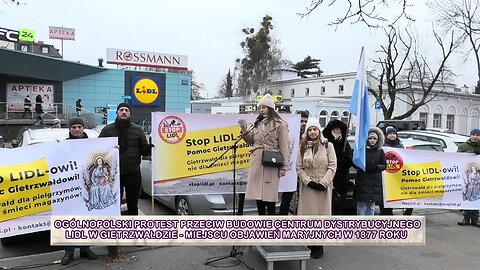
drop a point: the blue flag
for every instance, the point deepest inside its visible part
(359, 107)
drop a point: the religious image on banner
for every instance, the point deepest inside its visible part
(99, 181)
(471, 177)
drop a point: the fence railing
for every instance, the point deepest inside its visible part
(57, 110)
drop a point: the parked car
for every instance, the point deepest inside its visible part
(32, 136)
(449, 142)
(201, 204)
(401, 124)
(441, 130)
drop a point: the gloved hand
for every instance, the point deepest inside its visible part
(243, 124)
(316, 186)
(476, 151)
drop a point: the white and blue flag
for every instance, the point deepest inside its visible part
(359, 107)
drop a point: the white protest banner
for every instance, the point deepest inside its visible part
(186, 144)
(426, 179)
(70, 177)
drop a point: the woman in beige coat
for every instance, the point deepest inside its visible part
(316, 166)
(271, 133)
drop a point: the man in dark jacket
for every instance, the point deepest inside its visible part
(336, 133)
(472, 145)
(76, 126)
(132, 146)
(27, 106)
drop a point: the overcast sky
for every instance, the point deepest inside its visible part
(209, 32)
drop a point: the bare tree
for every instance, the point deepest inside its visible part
(196, 87)
(262, 56)
(463, 16)
(363, 11)
(407, 75)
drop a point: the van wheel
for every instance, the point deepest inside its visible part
(182, 206)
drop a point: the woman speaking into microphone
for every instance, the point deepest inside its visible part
(268, 157)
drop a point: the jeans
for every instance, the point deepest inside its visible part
(365, 208)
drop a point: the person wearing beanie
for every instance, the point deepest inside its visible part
(368, 184)
(472, 145)
(76, 127)
(316, 166)
(336, 133)
(392, 139)
(132, 145)
(269, 133)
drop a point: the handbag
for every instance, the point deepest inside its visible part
(271, 158)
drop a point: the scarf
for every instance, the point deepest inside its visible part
(308, 155)
(122, 125)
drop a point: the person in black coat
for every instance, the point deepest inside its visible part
(368, 184)
(132, 145)
(336, 133)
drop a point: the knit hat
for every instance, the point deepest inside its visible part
(75, 121)
(312, 122)
(475, 131)
(390, 129)
(267, 100)
(373, 134)
(123, 104)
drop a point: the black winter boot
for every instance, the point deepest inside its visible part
(464, 222)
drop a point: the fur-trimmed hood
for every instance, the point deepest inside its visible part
(327, 131)
(381, 137)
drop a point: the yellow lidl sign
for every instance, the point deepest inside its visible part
(145, 90)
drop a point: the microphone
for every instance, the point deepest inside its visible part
(259, 119)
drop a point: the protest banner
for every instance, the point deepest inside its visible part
(426, 179)
(186, 144)
(70, 177)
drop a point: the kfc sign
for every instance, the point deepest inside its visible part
(9, 35)
(147, 59)
(61, 33)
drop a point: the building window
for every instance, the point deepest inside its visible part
(45, 50)
(450, 121)
(423, 117)
(322, 90)
(340, 89)
(307, 91)
(323, 118)
(24, 48)
(437, 120)
(345, 115)
(292, 92)
(334, 115)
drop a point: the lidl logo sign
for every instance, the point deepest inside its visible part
(145, 91)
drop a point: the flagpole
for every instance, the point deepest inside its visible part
(348, 131)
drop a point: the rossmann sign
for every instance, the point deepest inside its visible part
(146, 91)
(147, 59)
